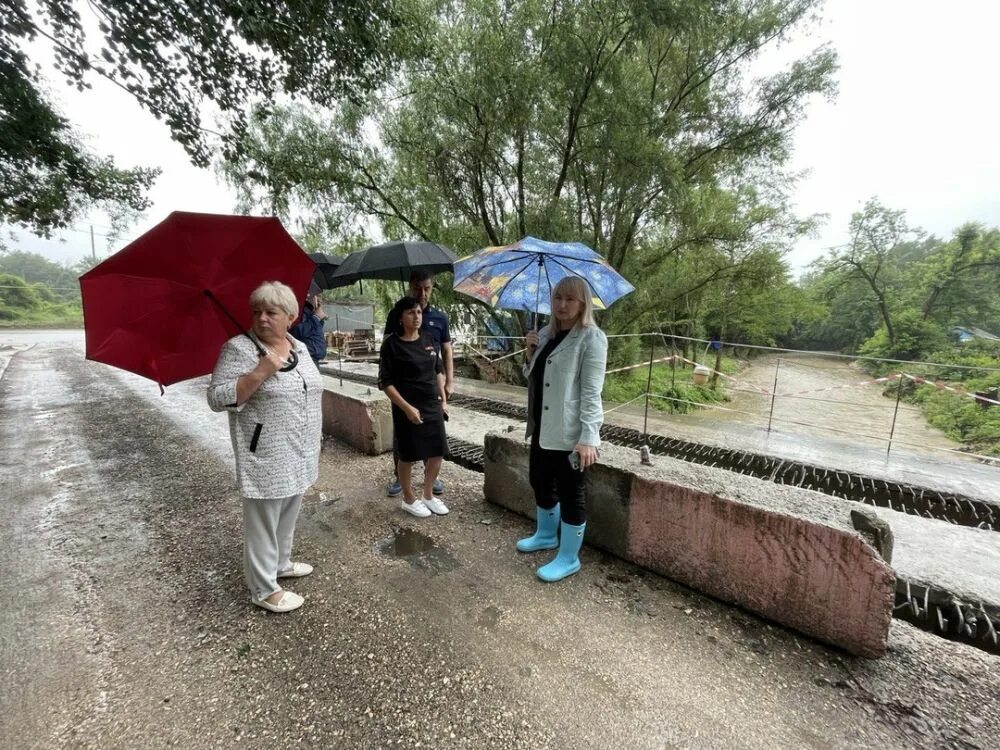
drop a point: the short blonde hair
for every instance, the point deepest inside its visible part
(577, 288)
(275, 294)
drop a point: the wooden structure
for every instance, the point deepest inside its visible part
(357, 343)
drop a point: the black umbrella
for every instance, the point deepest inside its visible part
(394, 261)
(326, 267)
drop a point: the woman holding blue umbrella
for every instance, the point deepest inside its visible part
(565, 371)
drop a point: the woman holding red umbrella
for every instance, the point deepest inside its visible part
(274, 404)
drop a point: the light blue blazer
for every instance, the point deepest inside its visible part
(572, 411)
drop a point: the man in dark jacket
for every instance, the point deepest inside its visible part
(309, 329)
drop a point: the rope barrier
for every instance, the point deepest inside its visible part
(632, 401)
(960, 392)
(642, 364)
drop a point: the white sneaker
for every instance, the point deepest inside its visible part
(288, 601)
(297, 570)
(436, 506)
(416, 508)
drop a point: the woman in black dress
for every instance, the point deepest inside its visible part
(411, 374)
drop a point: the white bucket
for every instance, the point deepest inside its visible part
(700, 374)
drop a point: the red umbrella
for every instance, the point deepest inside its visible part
(163, 306)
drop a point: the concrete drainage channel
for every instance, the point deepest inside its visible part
(935, 610)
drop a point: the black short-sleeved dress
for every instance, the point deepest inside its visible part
(412, 367)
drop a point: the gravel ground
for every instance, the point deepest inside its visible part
(130, 626)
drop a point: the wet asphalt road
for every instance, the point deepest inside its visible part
(128, 626)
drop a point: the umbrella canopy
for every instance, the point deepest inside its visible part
(521, 276)
(394, 261)
(326, 267)
(158, 307)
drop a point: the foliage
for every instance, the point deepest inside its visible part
(631, 127)
(24, 303)
(958, 282)
(876, 233)
(672, 389)
(964, 420)
(961, 417)
(880, 276)
(173, 57)
(47, 177)
(59, 281)
(915, 337)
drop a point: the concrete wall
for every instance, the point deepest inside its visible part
(358, 415)
(790, 555)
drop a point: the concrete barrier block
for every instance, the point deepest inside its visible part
(358, 415)
(506, 484)
(505, 478)
(822, 580)
(790, 555)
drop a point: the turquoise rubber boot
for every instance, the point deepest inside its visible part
(567, 560)
(545, 536)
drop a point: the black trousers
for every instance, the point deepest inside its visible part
(555, 481)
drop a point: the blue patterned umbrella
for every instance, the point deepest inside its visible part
(521, 276)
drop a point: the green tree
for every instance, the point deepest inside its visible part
(17, 297)
(914, 338)
(629, 126)
(869, 261)
(959, 283)
(35, 269)
(173, 56)
(47, 177)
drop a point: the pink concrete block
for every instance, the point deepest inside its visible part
(821, 580)
(363, 423)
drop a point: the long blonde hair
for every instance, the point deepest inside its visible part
(577, 288)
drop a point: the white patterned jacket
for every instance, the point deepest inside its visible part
(277, 433)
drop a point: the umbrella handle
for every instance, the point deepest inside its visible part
(292, 363)
(260, 349)
(538, 291)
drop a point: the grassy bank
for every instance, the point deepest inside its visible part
(962, 418)
(673, 388)
(53, 323)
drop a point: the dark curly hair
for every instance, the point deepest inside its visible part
(402, 305)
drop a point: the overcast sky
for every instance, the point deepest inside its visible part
(915, 123)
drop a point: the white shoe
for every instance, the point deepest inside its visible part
(436, 506)
(297, 570)
(286, 603)
(416, 508)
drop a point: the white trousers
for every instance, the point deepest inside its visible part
(268, 532)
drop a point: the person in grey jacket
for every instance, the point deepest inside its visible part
(565, 371)
(274, 405)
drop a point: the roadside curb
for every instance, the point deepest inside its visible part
(5, 359)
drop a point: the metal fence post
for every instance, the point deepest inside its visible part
(673, 372)
(340, 364)
(649, 381)
(895, 412)
(774, 393)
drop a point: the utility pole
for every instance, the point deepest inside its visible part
(93, 249)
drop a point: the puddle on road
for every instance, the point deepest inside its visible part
(406, 543)
(417, 549)
(489, 618)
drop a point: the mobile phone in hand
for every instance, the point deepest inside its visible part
(574, 460)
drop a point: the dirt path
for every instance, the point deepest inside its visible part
(129, 626)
